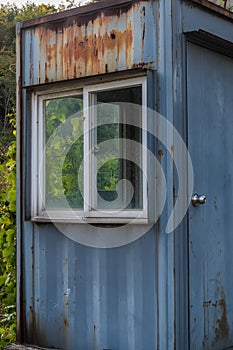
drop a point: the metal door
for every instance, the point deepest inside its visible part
(210, 139)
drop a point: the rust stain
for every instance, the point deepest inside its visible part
(83, 52)
(142, 65)
(31, 314)
(218, 311)
(51, 51)
(222, 327)
(143, 31)
(31, 324)
(66, 323)
(172, 150)
(206, 303)
(160, 153)
(95, 340)
(89, 45)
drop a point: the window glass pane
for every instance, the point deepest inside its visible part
(63, 118)
(119, 108)
(108, 174)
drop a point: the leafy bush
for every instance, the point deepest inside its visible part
(8, 246)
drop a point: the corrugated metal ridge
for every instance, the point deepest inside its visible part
(213, 7)
(82, 10)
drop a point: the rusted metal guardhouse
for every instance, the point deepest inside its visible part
(111, 94)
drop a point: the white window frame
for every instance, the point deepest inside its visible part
(38, 213)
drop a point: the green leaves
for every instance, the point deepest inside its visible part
(8, 245)
(8, 325)
(64, 150)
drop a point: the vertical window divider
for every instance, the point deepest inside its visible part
(41, 161)
(93, 150)
(34, 158)
(86, 158)
(144, 143)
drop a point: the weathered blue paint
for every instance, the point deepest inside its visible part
(210, 122)
(98, 43)
(137, 296)
(90, 298)
(165, 241)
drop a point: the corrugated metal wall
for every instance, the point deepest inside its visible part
(133, 297)
(87, 298)
(76, 297)
(110, 40)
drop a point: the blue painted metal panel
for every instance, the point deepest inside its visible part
(75, 297)
(181, 277)
(26, 53)
(166, 241)
(86, 298)
(210, 106)
(81, 46)
(196, 17)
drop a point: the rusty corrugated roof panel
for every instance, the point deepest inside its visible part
(88, 44)
(78, 11)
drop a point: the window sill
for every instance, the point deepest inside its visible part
(75, 219)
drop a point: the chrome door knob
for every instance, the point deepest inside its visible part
(196, 199)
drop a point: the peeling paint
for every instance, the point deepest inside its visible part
(108, 41)
(221, 327)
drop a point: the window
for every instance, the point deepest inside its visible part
(88, 153)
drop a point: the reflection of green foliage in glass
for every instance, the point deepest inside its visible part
(57, 112)
(108, 174)
(70, 174)
(115, 110)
